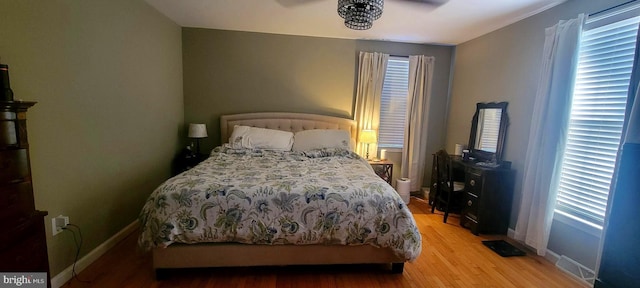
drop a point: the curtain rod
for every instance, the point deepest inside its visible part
(611, 8)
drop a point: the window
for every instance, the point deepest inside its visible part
(393, 103)
(597, 115)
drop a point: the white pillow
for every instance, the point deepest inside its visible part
(321, 138)
(260, 138)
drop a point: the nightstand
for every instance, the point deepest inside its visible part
(384, 169)
(186, 160)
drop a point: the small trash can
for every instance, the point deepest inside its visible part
(403, 187)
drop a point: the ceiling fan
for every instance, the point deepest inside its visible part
(289, 3)
(359, 14)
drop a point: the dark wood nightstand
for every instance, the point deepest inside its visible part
(384, 169)
(186, 160)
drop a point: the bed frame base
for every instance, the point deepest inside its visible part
(163, 273)
(243, 255)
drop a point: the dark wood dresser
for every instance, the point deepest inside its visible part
(488, 197)
(23, 246)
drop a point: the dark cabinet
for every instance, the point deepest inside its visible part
(23, 246)
(488, 198)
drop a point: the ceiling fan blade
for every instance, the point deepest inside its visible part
(292, 3)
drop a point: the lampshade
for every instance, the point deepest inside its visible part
(359, 14)
(368, 136)
(197, 130)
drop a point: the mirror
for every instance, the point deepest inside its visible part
(488, 129)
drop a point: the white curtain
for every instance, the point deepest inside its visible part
(371, 69)
(548, 132)
(414, 151)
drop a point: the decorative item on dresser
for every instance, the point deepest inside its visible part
(23, 246)
(6, 94)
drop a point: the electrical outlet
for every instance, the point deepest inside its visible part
(57, 223)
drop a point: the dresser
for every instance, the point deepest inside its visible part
(23, 246)
(488, 196)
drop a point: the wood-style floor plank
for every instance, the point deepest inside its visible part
(451, 257)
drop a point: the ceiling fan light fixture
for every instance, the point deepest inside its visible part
(359, 14)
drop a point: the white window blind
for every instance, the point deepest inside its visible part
(489, 127)
(595, 124)
(393, 103)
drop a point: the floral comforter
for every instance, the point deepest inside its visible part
(328, 196)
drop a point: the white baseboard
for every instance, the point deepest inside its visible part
(549, 256)
(553, 257)
(66, 274)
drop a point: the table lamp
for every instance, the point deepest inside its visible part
(197, 131)
(368, 136)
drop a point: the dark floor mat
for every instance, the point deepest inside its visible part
(503, 248)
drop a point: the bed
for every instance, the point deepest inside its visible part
(259, 207)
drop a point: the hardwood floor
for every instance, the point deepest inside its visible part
(451, 257)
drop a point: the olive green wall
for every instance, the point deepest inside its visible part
(229, 72)
(504, 66)
(107, 76)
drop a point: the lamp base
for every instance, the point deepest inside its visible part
(367, 151)
(197, 146)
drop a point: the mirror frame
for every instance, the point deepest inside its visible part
(481, 155)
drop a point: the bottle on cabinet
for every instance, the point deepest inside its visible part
(6, 94)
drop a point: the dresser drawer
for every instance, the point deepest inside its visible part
(471, 206)
(473, 183)
(16, 202)
(14, 166)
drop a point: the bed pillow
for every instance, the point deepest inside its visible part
(260, 138)
(321, 138)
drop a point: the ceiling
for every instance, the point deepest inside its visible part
(451, 23)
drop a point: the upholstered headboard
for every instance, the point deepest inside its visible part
(293, 122)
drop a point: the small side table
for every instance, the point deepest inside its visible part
(186, 160)
(384, 169)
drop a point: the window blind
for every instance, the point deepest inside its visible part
(393, 103)
(595, 124)
(489, 129)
